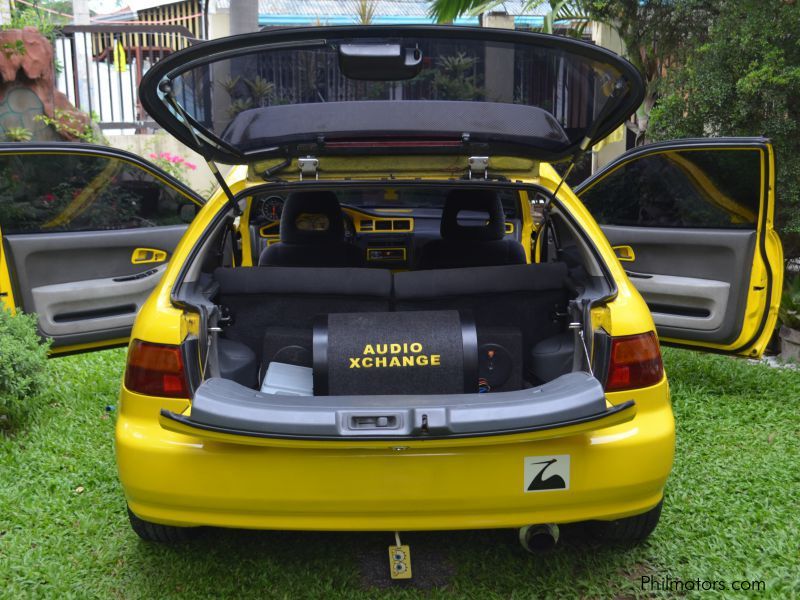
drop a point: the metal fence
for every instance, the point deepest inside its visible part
(102, 66)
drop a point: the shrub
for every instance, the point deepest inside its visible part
(744, 81)
(23, 355)
(790, 304)
(174, 164)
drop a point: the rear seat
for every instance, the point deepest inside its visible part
(504, 295)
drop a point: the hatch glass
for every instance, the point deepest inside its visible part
(326, 88)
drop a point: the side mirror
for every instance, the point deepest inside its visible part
(187, 212)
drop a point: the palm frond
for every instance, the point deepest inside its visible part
(449, 10)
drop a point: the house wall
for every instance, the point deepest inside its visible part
(200, 180)
(605, 36)
(219, 24)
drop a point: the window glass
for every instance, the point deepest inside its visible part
(242, 98)
(48, 193)
(683, 188)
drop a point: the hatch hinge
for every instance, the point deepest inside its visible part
(478, 167)
(309, 167)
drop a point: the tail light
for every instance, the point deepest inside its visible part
(635, 362)
(156, 370)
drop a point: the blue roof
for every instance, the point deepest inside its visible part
(286, 20)
(387, 12)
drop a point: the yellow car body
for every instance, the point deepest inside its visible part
(174, 474)
(176, 478)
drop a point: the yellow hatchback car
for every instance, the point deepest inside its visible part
(394, 315)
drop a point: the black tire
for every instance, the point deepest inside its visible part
(630, 530)
(154, 532)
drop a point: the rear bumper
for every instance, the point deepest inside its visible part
(471, 483)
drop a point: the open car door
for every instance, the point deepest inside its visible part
(86, 234)
(691, 221)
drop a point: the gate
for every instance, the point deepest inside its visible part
(102, 66)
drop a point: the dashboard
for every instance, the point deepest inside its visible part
(389, 237)
(268, 208)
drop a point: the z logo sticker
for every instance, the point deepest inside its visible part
(546, 473)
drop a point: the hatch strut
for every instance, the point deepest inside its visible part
(552, 248)
(588, 140)
(166, 88)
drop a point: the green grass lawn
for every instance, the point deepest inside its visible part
(732, 512)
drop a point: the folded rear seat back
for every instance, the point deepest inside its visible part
(346, 281)
(444, 283)
(501, 299)
(274, 308)
(287, 299)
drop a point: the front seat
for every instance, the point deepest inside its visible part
(471, 245)
(312, 234)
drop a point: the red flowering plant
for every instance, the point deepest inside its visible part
(174, 164)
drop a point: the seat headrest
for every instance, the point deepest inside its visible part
(485, 201)
(313, 217)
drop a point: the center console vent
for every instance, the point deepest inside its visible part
(385, 225)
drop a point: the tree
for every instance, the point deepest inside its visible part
(565, 10)
(446, 11)
(655, 33)
(744, 80)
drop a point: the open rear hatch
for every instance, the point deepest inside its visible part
(328, 90)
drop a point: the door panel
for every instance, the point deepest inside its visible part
(697, 218)
(84, 286)
(691, 279)
(87, 233)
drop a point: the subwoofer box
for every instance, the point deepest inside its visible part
(382, 353)
(500, 358)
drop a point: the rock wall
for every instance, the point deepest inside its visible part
(27, 87)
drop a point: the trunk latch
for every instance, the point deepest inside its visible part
(309, 167)
(478, 167)
(373, 422)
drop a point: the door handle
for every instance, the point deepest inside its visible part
(148, 255)
(624, 253)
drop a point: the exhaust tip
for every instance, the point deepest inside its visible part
(539, 538)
